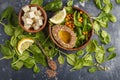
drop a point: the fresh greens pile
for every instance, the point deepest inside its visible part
(32, 56)
(38, 2)
(83, 29)
(102, 20)
(54, 5)
(77, 20)
(93, 56)
(80, 23)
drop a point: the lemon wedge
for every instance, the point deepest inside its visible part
(59, 17)
(24, 44)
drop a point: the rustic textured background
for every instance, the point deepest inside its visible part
(6, 73)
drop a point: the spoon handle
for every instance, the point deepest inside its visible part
(51, 63)
(40, 46)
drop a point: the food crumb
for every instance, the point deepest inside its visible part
(2, 40)
(0, 34)
(3, 69)
(56, 78)
(34, 76)
(51, 73)
(10, 79)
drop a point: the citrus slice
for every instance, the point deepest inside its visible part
(24, 44)
(59, 17)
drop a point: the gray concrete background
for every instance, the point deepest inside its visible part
(7, 73)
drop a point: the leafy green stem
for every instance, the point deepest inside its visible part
(16, 61)
(29, 50)
(1, 20)
(46, 40)
(2, 23)
(2, 58)
(85, 54)
(93, 18)
(96, 19)
(17, 51)
(61, 52)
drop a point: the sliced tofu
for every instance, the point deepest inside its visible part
(26, 9)
(26, 14)
(39, 22)
(36, 27)
(32, 18)
(28, 21)
(33, 8)
(23, 18)
(38, 13)
(27, 26)
(41, 17)
(37, 17)
(31, 14)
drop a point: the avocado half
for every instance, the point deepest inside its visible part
(64, 36)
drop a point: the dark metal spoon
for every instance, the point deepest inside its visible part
(52, 65)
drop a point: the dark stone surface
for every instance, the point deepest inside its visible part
(7, 73)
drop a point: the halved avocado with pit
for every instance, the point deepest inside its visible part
(64, 36)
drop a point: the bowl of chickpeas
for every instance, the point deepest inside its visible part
(74, 32)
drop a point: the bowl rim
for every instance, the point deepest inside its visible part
(81, 46)
(44, 15)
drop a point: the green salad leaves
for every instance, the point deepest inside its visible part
(54, 5)
(93, 56)
(31, 57)
(38, 2)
